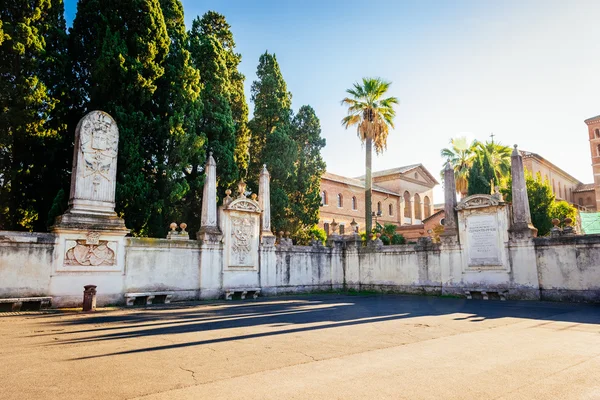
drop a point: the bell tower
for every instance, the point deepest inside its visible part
(594, 134)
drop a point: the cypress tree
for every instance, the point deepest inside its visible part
(32, 71)
(217, 121)
(305, 199)
(177, 147)
(271, 141)
(482, 175)
(215, 24)
(118, 50)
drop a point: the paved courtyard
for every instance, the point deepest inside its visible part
(307, 347)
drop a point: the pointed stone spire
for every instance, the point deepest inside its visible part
(208, 219)
(521, 215)
(264, 201)
(450, 225)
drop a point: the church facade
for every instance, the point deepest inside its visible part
(402, 196)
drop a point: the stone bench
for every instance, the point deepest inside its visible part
(148, 298)
(485, 293)
(25, 304)
(229, 293)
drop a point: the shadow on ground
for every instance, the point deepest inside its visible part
(289, 315)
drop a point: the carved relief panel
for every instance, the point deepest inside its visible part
(241, 234)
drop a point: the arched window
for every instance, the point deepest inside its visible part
(406, 205)
(417, 206)
(597, 131)
(390, 209)
(588, 200)
(553, 187)
(570, 194)
(326, 228)
(324, 198)
(580, 201)
(598, 150)
(354, 205)
(427, 205)
(378, 208)
(340, 200)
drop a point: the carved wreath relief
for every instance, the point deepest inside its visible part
(90, 254)
(99, 142)
(242, 234)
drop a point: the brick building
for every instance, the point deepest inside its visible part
(593, 191)
(401, 196)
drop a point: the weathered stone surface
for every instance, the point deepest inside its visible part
(264, 201)
(450, 227)
(209, 228)
(521, 216)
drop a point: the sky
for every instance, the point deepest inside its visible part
(527, 71)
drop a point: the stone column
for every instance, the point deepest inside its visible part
(209, 229)
(450, 225)
(264, 200)
(521, 216)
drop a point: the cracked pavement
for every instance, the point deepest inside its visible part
(306, 347)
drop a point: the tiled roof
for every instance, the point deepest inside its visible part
(584, 187)
(354, 182)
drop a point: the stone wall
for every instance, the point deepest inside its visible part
(565, 268)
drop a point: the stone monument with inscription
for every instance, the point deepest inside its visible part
(240, 224)
(483, 229)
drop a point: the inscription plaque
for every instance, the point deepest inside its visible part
(483, 238)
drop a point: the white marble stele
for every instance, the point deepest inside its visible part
(240, 224)
(90, 234)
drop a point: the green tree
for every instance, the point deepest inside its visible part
(118, 52)
(32, 138)
(215, 25)
(541, 201)
(176, 146)
(373, 115)
(562, 210)
(305, 198)
(271, 142)
(497, 156)
(217, 122)
(482, 175)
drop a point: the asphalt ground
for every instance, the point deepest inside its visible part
(306, 347)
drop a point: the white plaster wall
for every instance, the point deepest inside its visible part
(569, 268)
(153, 265)
(25, 263)
(303, 268)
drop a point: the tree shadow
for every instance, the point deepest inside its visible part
(296, 315)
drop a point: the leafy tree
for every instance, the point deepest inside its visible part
(541, 201)
(217, 121)
(305, 196)
(482, 175)
(118, 52)
(497, 157)
(271, 142)
(176, 146)
(32, 138)
(215, 25)
(373, 115)
(562, 210)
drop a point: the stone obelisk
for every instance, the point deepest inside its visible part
(264, 200)
(521, 228)
(450, 224)
(209, 229)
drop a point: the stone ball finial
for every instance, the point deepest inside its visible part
(555, 222)
(287, 234)
(515, 151)
(280, 233)
(173, 226)
(568, 221)
(253, 196)
(228, 192)
(183, 225)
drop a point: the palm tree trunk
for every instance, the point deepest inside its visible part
(368, 189)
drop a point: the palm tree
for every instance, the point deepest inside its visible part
(373, 117)
(460, 155)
